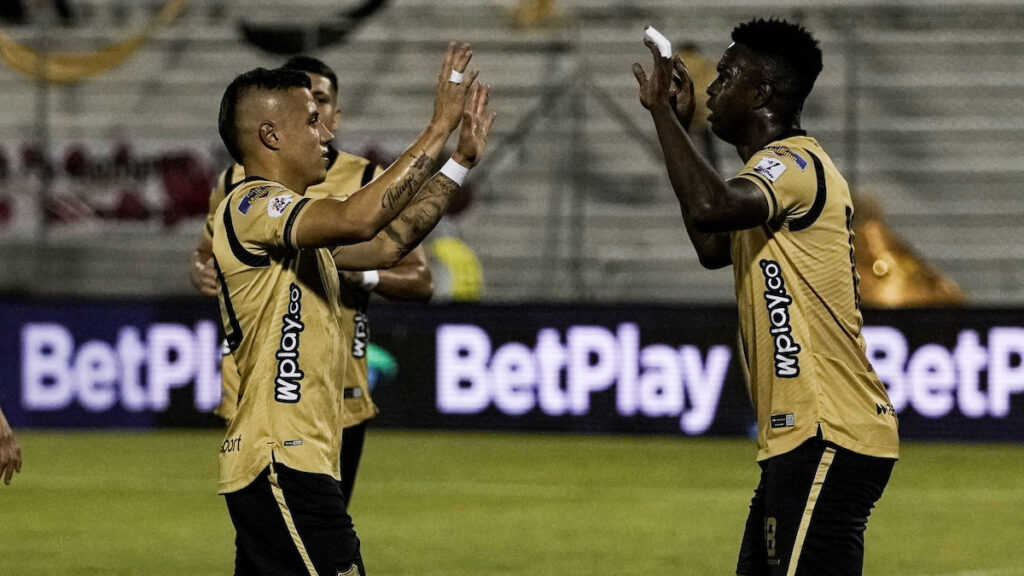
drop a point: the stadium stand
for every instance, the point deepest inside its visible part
(918, 104)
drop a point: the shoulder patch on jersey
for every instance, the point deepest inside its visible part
(786, 152)
(251, 197)
(277, 204)
(770, 168)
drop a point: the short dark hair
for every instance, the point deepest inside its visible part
(311, 65)
(257, 79)
(792, 52)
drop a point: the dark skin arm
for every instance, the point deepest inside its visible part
(711, 206)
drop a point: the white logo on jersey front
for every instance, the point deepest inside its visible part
(777, 301)
(277, 204)
(288, 385)
(770, 168)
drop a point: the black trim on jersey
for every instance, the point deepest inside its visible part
(226, 183)
(255, 178)
(788, 134)
(820, 196)
(228, 187)
(291, 222)
(368, 174)
(243, 255)
(233, 336)
(767, 187)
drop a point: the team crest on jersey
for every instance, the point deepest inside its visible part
(786, 152)
(277, 204)
(251, 197)
(770, 168)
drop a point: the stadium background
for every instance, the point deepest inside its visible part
(593, 317)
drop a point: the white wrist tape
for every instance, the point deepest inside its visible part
(664, 46)
(457, 172)
(455, 77)
(370, 280)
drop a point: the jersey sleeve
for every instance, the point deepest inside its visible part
(264, 217)
(786, 177)
(226, 181)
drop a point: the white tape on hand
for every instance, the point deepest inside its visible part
(370, 280)
(664, 46)
(455, 77)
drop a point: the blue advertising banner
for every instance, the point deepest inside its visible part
(951, 374)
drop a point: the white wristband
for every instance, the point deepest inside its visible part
(370, 280)
(457, 172)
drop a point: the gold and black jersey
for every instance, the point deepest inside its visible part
(800, 319)
(346, 174)
(226, 182)
(280, 308)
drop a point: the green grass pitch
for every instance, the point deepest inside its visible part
(461, 504)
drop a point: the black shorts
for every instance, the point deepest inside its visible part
(810, 511)
(352, 439)
(292, 523)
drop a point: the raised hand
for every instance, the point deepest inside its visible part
(681, 93)
(451, 96)
(476, 126)
(656, 89)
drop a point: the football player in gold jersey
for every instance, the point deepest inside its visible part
(276, 256)
(408, 280)
(827, 435)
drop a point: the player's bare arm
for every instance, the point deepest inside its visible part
(328, 222)
(200, 267)
(409, 280)
(711, 206)
(10, 452)
(406, 231)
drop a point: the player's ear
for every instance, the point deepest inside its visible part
(336, 119)
(763, 93)
(268, 136)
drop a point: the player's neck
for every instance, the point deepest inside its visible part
(764, 134)
(255, 168)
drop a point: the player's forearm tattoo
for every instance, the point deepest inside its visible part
(422, 167)
(422, 214)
